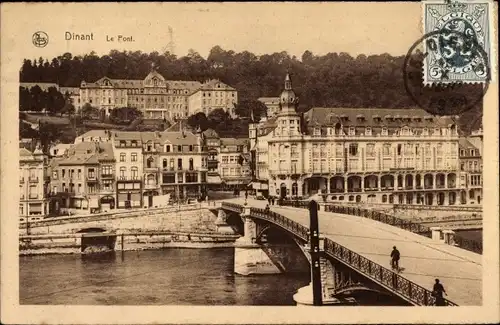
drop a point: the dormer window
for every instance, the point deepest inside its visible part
(377, 118)
(352, 130)
(425, 131)
(368, 130)
(317, 131)
(388, 117)
(134, 143)
(360, 117)
(405, 130)
(123, 143)
(384, 131)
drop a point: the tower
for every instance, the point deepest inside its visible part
(288, 99)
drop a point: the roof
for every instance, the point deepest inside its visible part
(267, 100)
(234, 141)
(86, 153)
(176, 127)
(464, 143)
(94, 134)
(215, 84)
(179, 138)
(210, 134)
(267, 126)
(127, 135)
(190, 86)
(70, 90)
(375, 117)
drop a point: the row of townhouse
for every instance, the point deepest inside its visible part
(105, 170)
(404, 156)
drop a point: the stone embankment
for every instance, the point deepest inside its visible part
(142, 240)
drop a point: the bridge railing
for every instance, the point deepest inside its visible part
(294, 227)
(468, 244)
(232, 207)
(371, 214)
(381, 275)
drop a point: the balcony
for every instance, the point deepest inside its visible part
(33, 179)
(91, 179)
(129, 178)
(107, 176)
(150, 186)
(21, 180)
(151, 169)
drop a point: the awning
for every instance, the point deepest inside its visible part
(214, 179)
(259, 186)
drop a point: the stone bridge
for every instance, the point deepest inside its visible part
(355, 254)
(188, 217)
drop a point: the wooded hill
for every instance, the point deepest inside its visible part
(331, 80)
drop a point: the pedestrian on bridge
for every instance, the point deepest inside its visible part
(395, 258)
(437, 292)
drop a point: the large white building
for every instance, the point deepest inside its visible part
(357, 155)
(157, 97)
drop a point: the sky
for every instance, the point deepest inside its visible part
(261, 28)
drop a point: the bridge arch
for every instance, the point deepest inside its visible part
(91, 230)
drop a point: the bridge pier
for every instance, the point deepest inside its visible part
(252, 256)
(221, 223)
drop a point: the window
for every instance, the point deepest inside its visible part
(122, 172)
(384, 131)
(123, 143)
(164, 163)
(122, 157)
(190, 147)
(338, 150)
(106, 170)
(386, 149)
(91, 173)
(370, 149)
(179, 163)
(368, 130)
(179, 148)
(171, 163)
(352, 130)
(133, 157)
(167, 148)
(191, 164)
(135, 173)
(353, 149)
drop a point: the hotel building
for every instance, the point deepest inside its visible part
(157, 97)
(402, 156)
(471, 172)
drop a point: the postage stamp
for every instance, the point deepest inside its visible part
(459, 46)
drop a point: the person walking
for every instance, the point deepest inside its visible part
(437, 292)
(395, 258)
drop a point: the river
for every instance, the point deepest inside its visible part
(177, 276)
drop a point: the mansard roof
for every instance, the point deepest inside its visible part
(376, 117)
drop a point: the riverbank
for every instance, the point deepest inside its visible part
(73, 243)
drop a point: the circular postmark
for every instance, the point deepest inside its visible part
(40, 39)
(446, 51)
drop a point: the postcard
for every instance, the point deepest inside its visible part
(252, 162)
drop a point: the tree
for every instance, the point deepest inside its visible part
(198, 120)
(89, 112)
(251, 107)
(48, 134)
(26, 131)
(124, 115)
(218, 116)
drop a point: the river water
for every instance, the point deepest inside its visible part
(175, 276)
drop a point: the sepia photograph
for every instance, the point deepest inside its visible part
(270, 155)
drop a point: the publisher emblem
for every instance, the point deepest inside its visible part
(40, 39)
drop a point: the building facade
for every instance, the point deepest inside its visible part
(358, 155)
(157, 97)
(234, 162)
(212, 95)
(82, 180)
(272, 104)
(471, 172)
(128, 148)
(32, 187)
